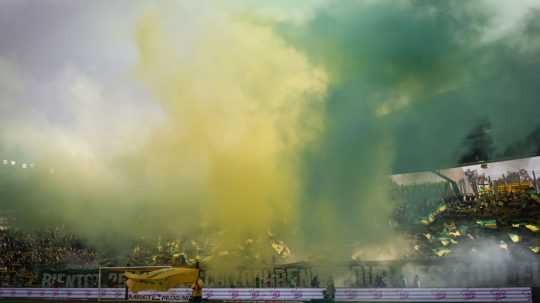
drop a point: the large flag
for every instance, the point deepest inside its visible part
(162, 279)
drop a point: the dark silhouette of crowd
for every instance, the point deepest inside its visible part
(24, 253)
(438, 221)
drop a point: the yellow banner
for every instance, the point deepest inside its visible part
(162, 280)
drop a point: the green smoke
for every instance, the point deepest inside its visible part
(409, 80)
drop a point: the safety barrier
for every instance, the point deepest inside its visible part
(61, 293)
(433, 294)
(176, 294)
(236, 294)
(282, 294)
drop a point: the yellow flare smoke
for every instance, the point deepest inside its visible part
(239, 104)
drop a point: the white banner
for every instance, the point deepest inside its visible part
(173, 295)
(264, 294)
(286, 294)
(62, 293)
(434, 294)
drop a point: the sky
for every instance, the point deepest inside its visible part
(240, 117)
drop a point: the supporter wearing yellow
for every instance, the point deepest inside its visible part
(196, 291)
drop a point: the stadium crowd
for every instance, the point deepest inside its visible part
(439, 222)
(25, 252)
(503, 211)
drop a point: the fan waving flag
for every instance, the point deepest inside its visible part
(162, 279)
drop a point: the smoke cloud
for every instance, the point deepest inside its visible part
(408, 81)
(236, 119)
(239, 105)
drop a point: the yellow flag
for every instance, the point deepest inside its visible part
(162, 279)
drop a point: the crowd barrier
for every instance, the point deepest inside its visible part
(282, 294)
(523, 294)
(176, 294)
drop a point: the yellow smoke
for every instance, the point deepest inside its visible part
(239, 105)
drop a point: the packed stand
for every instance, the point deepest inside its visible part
(23, 253)
(503, 212)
